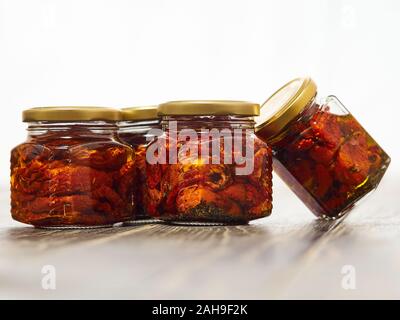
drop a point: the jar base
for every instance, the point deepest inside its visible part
(77, 227)
(141, 222)
(341, 215)
(204, 223)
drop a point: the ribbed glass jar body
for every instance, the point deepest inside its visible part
(139, 134)
(327, 158)
(210, 169)
(72, 174)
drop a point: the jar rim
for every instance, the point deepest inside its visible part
(285, 105)
(208, 107)
(71, 113)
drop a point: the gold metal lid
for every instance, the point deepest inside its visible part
(140, 113)
(285, 105)
(208, 107)
(71, 114)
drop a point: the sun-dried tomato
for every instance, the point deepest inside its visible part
(205, 192)
(73, 181)
(329, 160)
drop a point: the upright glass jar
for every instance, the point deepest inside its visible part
(138, 128)
(320, 150)
(72, 171)
(209, 167)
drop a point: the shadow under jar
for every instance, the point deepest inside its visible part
(137, 130)
(209, 167)
(72, 171)
(320, 150)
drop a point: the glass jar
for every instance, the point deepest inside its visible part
(209, 167)
(320, 150)
(137, 130)
(72, 171)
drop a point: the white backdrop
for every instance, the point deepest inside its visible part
(121, 53)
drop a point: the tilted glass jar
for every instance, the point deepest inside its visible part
(137, 129)
(320, 150)
(209, 167)
(72, 171)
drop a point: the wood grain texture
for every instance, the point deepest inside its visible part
(288, 255)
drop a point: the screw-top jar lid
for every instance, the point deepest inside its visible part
(285, 105)
(140, 113)
(209, 107)
(71, 114)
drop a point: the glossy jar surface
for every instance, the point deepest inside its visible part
(138, 133)
(326, 157)
(72, 174)
(207, 187)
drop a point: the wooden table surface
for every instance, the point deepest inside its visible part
(287, 255)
